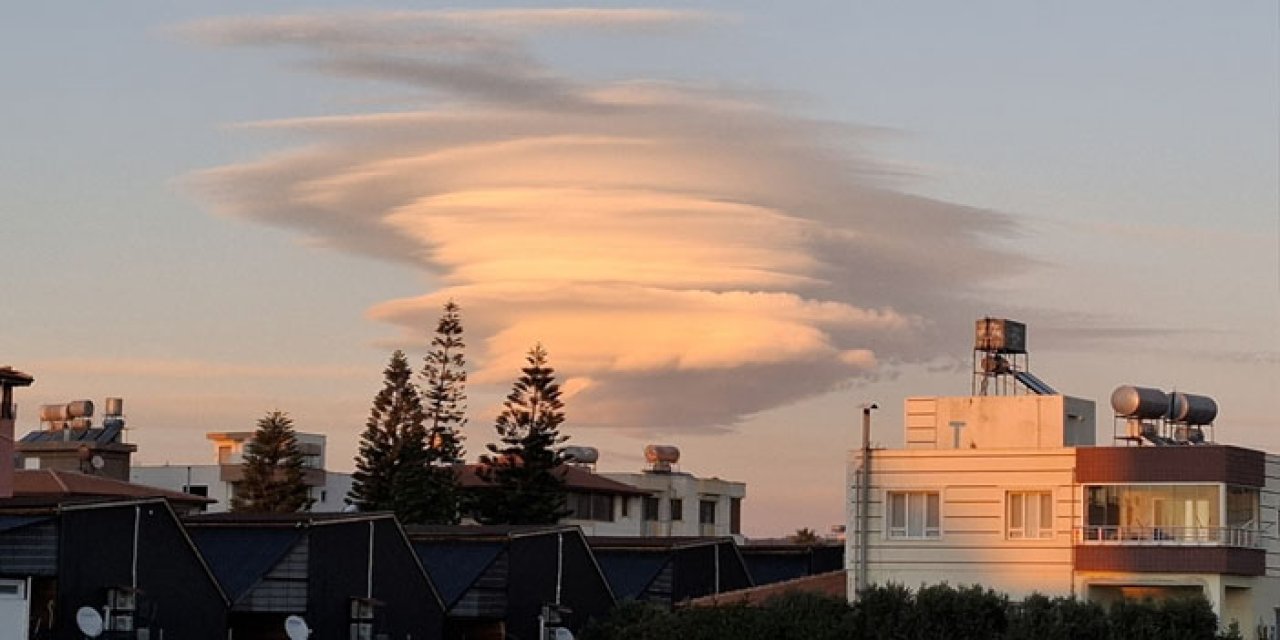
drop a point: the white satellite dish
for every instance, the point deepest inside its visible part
(89, 621)
(561, 633)
(97, 462)
(296, 628)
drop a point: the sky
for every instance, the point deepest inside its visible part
(730, 223)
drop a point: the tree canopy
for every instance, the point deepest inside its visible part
(273, 470)
(521, 468)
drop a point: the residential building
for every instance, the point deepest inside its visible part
(327, 489)
(1011, 492)
(678, 504)
(67, 440)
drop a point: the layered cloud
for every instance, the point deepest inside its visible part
(689, 257)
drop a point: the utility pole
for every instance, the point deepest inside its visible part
(864, 498)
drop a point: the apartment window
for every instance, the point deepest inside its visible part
(201, 490)
(914, 514)
(625, 506)
(707, 512)
(735, 515)
(651, 509)
(1029, 515)
(591, 506)
(677, 509)
(1173, 512)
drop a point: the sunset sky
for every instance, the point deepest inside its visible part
(729, 223)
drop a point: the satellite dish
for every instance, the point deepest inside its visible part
(97, 462)
(561, 633)
(89, 621)
(296, 628)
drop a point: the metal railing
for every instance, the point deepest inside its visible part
(1247, 536)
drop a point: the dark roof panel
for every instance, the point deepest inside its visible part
(455, 565)
(9, 523)
(240, 556)
(629, 572)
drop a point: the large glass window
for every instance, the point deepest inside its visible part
(591, 506)
(914, 514)
(1029, 514)
(1185, 512)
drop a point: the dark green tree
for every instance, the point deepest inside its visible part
(392, 456)
(523, 468)
(273, 470)
(444, 395)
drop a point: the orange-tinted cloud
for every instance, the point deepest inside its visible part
(689, 257)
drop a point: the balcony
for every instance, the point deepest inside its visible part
(1242, 537)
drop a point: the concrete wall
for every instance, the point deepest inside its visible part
(973, 546)
(999, 422)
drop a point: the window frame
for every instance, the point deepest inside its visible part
(1042, 532)
(928, 533)
(702, 511)
(676, 506)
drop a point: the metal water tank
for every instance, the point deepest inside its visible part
(115, 407)
(1192, 409)
(1139, 402)
(53, 413)
(583, 455)
(80, 408)
(661, 453)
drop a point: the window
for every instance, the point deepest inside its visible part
(122, 604)
(650, 509)
(1029, 515)
(201, 490)
(224, 454)
(591, 506)
(677, 509)
(914, 514)
(324, 495)
(735, 515)
(1172, 512)
(707, 512)
(361, 619)
(625, 506)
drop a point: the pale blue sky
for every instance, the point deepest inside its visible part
(1137, 143)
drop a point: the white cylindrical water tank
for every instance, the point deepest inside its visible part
(1140, 402)
(115, 407)
(583, 455)
(53, 413)
(80, 408)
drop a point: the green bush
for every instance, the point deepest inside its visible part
(893, 612)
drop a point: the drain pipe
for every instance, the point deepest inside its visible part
(864, 498)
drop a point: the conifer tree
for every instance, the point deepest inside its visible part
(444, 384)
(392, 447)
(273, 470)
(523, 470)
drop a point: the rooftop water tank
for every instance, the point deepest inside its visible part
(661, 454)
(1140, 402)
(1192, 409)
(582, 455)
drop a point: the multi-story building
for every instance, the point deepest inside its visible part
(218, 481)
(1011, 492)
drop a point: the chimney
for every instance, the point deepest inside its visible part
(9, 379)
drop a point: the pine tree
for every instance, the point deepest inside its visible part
(273, 470)
(444, 383)
(392, 447)
(526, 487)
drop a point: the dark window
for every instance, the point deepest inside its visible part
(677, 509)
(197, 490)
(626, 506)
(735, 515)
(651, 509)
(123, 603)
(591, 506)
(707, 512)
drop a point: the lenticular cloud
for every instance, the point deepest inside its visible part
(688, 256)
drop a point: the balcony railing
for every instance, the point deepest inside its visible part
(1247, 537)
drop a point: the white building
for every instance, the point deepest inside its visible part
(218, 481)
(1011, 493)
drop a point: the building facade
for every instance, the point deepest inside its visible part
(218, 481)
(1011, 492)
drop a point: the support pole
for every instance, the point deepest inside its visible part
(864, 499)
